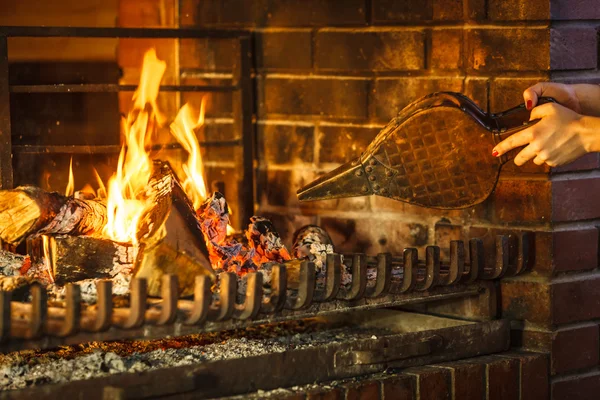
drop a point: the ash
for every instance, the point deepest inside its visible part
(23, 369)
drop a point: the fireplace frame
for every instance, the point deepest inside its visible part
(241, 88)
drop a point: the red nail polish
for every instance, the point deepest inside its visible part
(495, 153)
(529, 104)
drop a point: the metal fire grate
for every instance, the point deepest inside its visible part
(241, 89)
(394, 281)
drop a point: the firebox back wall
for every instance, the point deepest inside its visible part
(330, 74)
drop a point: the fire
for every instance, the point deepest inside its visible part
(127, 202)
(71, 184)
(49, 249)
(183, 130)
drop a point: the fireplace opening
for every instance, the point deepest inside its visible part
(154, 241)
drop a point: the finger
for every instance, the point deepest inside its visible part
(525, 155)
(538, 160)
(542, 111)
(513, 141)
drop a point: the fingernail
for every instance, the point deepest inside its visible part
(529, 104)
(495, 153)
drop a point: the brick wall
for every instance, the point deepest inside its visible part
(510, 376)
(330, 74)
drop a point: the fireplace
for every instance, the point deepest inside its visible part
(494, 301)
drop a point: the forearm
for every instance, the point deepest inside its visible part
(589, 98)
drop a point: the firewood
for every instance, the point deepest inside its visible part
(170, 236)
(12, 264)
(75, 258)
(29, 210)
(313, 244)
(25, 210)
(225, 253)
(264, 239)
(160, 189)
(78, 217)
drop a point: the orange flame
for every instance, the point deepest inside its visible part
(49, 248)
(127, 202)
(182, 129)
(71, 184)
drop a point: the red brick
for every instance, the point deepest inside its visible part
(400, 387)
(446, 48)
(432, 383)
(574, 9)
(561, 251)
(391, 11)
(281, 186)
(284, 49)
(511, 10)
(530, 301)
(468, 379)
(326, 394)
(207, 54)
(514, 202)
(271, 13)
(329, 97)
(477, 89)
(340, 144)
(576, 299)
(374, 236)
(369, 50)
(575, 199)
(217, 104)
(506, 93)
(587, 162)
(363, 391)
(575, 348)
(503, 377)
(516, 49)
(578, 387)
(147, 14)
(286, 144)
(391, 95)
(534, 376)
(575, 250)
(573, 48)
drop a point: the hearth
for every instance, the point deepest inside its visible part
(243, 289)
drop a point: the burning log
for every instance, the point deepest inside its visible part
(170, 237)
(75, 258)
(313, 244)
(29, 210)
(13, 264)
(264, 239)
(225, 253)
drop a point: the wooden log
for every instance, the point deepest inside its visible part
(78, 217)
(76, 258)
(25, 210)
(29, 210)
(12, 264)
(170, 236)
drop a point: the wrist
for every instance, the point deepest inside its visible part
(588, 129)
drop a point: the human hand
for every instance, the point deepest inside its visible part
(564, 94)
(558, 138)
